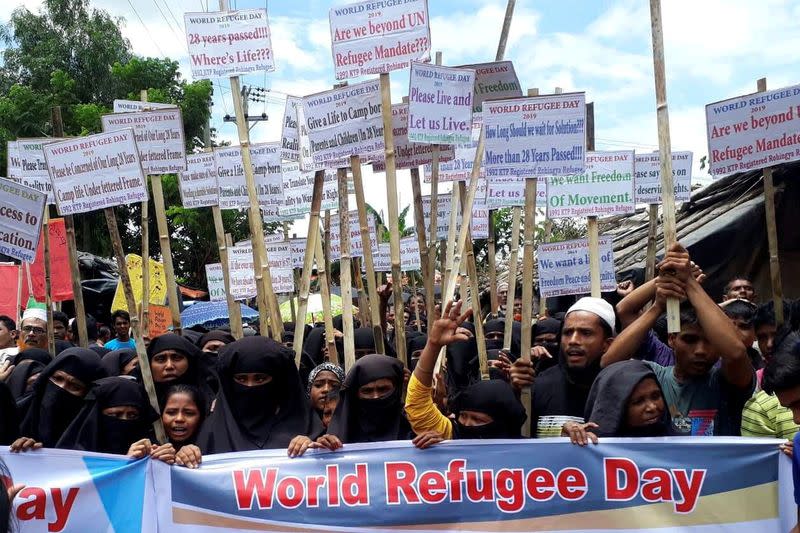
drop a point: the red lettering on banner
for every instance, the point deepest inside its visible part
(400, 477)
(622, 479)
(255, 483)
(486, 491)
(455, 474)
(333, 487)
(355, 487)
(657, 485)
(35, 508)
(689, 486)
(432, 487)
(510, 492)
(290, 492)
(678, 485)
(540, 484)
(314, 484)
(572, 484)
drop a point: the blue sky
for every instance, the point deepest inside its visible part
(715, 49)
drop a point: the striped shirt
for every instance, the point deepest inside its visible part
(550, 426)
(764, 416)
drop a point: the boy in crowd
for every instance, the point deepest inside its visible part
(121, 321)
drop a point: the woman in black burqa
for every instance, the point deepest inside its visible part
(370, 407)
(56, 397)
(176, 361)
(261, 404)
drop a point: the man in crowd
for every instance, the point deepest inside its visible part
(60, 325)
(122, 326)
(34, 328)
(702, 398)
(739, 287)
(8, 338)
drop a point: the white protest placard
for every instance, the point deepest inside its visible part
(297, 248)
(378, 36)
(298, 191)
(216, 282)
(409, 253)
(266, 159)
(290, 135)
(271, 238)
(230, 177)
(282, 280)
(159, 136)
(647, 183)
(198, 184)
(343, 122)
(606, 188)
(407, 154)
(279, 254)
(459, 167)
(754, 131)
(21, 212)
(32, 167)
(242, 272)
(509, 191)
(440, 104)
(356, 247)
(538, 136)
(479, 225)
(95, 172)
(564, 267)
(132, 106)
(494, 81)
(13, 162)
(381, 259)
(228, 43)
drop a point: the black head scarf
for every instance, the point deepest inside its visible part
(414, 343)
(197, 374)
(607, 405)
(215, 335)
(312, 348)
(497, 399)
(261, 417)
(9, 418)
(462, 366)
(62, 345)
(382, 419)
(494, 326)
(18, 380)
(34, 354)
(116, 360)
(93, 431)
(363, 341)
(48, 409)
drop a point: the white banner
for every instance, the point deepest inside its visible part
(241, 272)
(606, 188)
(228, 43)
(13, 162)
(344, 122)
(440, 104)
(538, 136)
(21, 212)
(198, 185)
(266, 159)
(356, 248)
(480, 215)
(298, 190)
(494, 81)
(381, 259)
(407, 154)
(279, 254)
(216, 282)
(459, 167)
(754, 131)
(509, 191)
(282, 280)
(159, 137)
(95, 172)
(132, 106)
(297, 248)
(290, 135)
(31, 167)
(230, 177)
(409, 253)
(378, 36)
(647, 184)
(564, 267)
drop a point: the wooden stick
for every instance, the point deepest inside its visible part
(125, 279)
(501, 47)
(345, 281)
(369, 263)
(234, 310)
(394, 219)
(419, 222)
(474, 292)
(591, 223)
(492, 252)
(772, 235)
(19, 298)
(527, 289)
(48, 300)
(548, 234)
(325, 294)
(430, 288)
(414, 293)
(361, 292)
(451, 242)
(308, 264)
(72, 250)
(512, 275)
(145, 255)
(665, 151)
(166, 252)
(326, 245)
(652, 241)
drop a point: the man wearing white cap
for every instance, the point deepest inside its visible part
(560, 394)
(34, 328)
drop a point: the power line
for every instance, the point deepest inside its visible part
(146, 29)
(177, 23)
(169, 24)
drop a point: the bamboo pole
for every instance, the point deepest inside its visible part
(369, 263)
(501, 47)
(419, 222)
(394, 219)
(144, 362)
(345, 281)
(166, 252)
(512, 274)
(652, 241)
(48, 300)
(325, 295)
(665, 151)
(363, 300)
(234, 311)
(474, 292)
(145, 254)
(527, 289)
(772, 235)
(414, 293)
(308, 264)
(430, 288)
(591, 222)
(548, 234)
(451, 241)
(72, 249)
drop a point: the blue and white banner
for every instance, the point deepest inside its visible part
(677, 484)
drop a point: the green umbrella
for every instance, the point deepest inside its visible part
(314, 308)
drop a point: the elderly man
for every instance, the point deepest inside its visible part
(34, 328)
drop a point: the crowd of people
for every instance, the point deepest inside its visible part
(595, 370)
